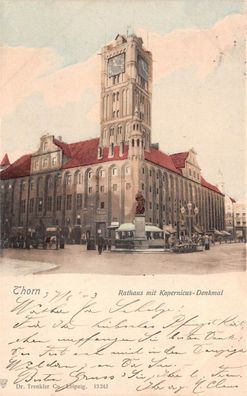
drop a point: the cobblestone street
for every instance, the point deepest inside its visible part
(75, 259)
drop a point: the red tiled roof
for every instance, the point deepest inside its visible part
(5, 160)
(19, 168)
(63, 146)
(160, 158)
(86, 153)
(179, 159)
(204, 183)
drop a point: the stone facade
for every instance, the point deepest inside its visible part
(91, 184)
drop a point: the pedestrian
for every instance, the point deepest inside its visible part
(207, 242)
(109, 244)
(100, 244)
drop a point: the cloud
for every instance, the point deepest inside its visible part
(25, 71)
(202, 49)
(21, 71)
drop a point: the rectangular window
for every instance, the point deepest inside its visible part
(40, 204)
(49, 204)
(59, 202)
(102, 205)
(79, 201)
(23, 206)
(69, 202)
(90, 190)
(143, 171)
(102, 188)
(143, 186)
(31, 205)
(114, 187)
(59, 180)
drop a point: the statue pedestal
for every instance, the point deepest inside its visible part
(140, 240)
(140, 226)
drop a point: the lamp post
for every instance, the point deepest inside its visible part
(190, 214)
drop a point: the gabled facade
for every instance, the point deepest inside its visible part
(91, 184)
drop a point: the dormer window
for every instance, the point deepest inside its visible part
(111, 150)
(100, 152)
(121, 148)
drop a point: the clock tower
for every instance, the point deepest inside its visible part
(126, 94)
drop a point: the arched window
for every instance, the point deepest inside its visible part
(138, 142)
(133, 143)
(102, 173)
(114, 172)
(90, 174)
(127, 170)
(79, 178)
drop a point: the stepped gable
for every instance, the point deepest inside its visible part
(19, 168)
(5, 160)
(159, 158)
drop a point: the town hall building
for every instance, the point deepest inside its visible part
(91, 185)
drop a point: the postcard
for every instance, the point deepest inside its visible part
(123, 198)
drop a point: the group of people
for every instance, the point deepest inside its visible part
(193, 240)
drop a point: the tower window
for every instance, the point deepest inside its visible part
(133, 143)
(102, 205)
(117, 96)
(112, 132)
(117, 113)
(114, 97)
(138, 142)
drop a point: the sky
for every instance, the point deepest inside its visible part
(50, 75)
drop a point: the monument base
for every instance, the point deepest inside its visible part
(139, 241)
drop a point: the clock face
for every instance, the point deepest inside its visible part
(143, 68)
(116, 65)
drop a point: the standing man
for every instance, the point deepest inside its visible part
(100, 243)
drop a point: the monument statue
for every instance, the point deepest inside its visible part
(140, 203)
